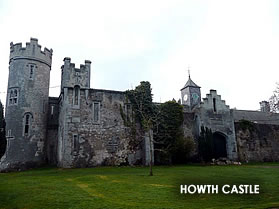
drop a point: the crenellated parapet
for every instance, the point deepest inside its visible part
(72, 76)
(32, 51)
(214, 102)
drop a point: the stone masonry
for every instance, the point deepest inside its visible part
(84, 127)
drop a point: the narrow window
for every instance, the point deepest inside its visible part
(75, 142)
(51, 109)
(11, 97)
(31, 71)
(27, 120)
(76, 95)
(96, 112)
(9, 133)
(15, 96)
(214, 105)
(33, 49)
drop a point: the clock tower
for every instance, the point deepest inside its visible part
(191, 94)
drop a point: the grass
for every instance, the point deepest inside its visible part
(127, 187)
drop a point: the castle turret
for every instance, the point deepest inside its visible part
(265, 107)
(75, 85)
(26, 105)
(72, 76)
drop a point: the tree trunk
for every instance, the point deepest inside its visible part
(151, 154)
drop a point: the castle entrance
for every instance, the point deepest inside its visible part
(220, 145)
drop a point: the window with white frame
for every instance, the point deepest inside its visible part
(13, 96)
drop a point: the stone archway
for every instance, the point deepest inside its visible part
(220, 145)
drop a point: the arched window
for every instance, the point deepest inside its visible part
(76, 96)
(27, 121)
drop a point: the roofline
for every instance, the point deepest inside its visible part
(190, 86)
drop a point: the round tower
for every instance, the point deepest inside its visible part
(26, 105)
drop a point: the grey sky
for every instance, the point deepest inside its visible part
(231, 46)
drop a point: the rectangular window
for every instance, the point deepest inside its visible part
(52, 109)
(96, 112)
(75, 142)
(9, 133)
(214, 105)
(27, 121)
(76, 96)
(13, 96)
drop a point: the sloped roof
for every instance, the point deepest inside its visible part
(190, 83)
(256, 116)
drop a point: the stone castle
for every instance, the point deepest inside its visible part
(83, 127)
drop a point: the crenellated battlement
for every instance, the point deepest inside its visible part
(69, 64)
(214, 99)
(72, 76)
(32, 51)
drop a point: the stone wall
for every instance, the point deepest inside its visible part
(257, 142)
(86, 141)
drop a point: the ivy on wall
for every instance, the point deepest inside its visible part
(164, 119)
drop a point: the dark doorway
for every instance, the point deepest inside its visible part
(52, 155)
(220, 145)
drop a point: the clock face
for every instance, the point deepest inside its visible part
(185, 97)
(195, 97)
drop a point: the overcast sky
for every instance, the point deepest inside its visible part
(231, 46)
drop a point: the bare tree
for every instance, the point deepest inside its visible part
(274, 100)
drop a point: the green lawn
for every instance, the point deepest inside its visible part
(131, 187)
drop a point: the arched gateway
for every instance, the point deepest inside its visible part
(220, 145)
